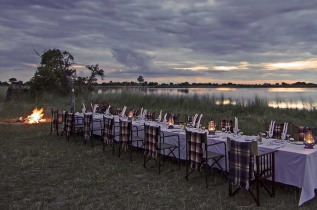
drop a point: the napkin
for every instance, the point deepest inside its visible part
(159, 117)
(141, 112)
(84, 108)
(123, 111)
(271, 128)
(108, 110)
(284, 132)
(144, 113)
(164, 119)
(194, 120)
(236, 127)
(94, 108)
(198, 123)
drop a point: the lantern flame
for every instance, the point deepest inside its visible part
(36, 116)
(171, 121)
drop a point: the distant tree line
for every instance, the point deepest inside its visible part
(187, 84)
(56, 73)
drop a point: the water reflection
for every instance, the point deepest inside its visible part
(294, 98)
(291, 90)
(226, 89)
(226, 102)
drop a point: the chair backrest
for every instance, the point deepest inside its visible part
(125, 130)
(88, 121)
(175, 118)
(299, 132)
(150, 116)
(227, 124)
(188, 119)
(277, 131)
(108, 129)
(152, 136)
(64, 117)
(194, 148)
(118, 111)
(241, 163)
(70, 120)
(55, 116)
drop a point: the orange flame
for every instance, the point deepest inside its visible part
(36, 116)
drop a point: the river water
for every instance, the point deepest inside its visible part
(300, 98)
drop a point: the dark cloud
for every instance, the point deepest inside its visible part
(154, 37)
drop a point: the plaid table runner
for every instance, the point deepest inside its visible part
(87, 126)
(151, 138)
(69, 124)
(108, 130)
(195, 148)
(241, 164)
(125, 133)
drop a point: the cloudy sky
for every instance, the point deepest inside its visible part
(249, 41)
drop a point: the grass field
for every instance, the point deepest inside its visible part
(42, 171)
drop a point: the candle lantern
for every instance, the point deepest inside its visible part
(211, 127)
(130, 114)
(309, 140)
(171, 123)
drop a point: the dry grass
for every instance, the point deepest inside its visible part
(42, 171)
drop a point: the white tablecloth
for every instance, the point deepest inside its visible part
(294, 166)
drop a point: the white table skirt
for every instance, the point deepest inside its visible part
(294, 165)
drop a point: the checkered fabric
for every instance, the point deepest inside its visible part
(277, 131)
(54, 119)
(108, 130)
(151, 138)
(150, 116)
(241, 164)
(64, 117)
(195, 148)
(175, 117)
(118, 111)
(101, 109)
(226, 124)
(69, 124)
(125, 133)
(189, 119)
(87, 126)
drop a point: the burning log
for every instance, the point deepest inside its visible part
(36, 117)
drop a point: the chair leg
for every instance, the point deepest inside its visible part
(144, 160)
(206, 176)
(159, 163)
(130, 151)
(258, 193)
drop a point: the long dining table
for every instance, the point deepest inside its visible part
(294, 164)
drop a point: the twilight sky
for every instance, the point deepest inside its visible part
(247, 41)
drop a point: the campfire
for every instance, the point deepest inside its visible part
(36, 117)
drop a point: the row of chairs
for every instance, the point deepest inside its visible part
(245, 166)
